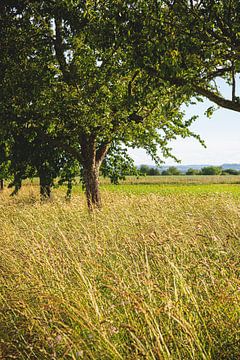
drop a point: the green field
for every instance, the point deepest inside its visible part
(154, 275)
(181, 179)
(165, 189)
(167, 185)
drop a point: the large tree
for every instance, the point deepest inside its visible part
(87, 92)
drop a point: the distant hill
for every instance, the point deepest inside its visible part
(184, 168)
(231, 166)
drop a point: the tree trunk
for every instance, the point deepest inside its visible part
(45, 185)
(90, 172)
(1, 184)
(91, 160)
(91, 183)
(17, 183)
(69, 190)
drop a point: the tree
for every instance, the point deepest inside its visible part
(28, 80)
(191, 171)
(153, 171)
(117, 101)
(230, 172)
(147, 170)
(86, 92)
(211, 170)
(172, 170)
(144, 169)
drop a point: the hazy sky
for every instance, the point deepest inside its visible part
(221, 134)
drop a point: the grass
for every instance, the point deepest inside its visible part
(168, 189)
(154, 275)
(178, 180)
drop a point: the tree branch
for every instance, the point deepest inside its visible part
(131, 82)
(102, 152)
(217, 99)
(218, 72)
(59, 49)
(227, 104)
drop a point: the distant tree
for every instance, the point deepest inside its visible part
(144, 169)
(154, 171)
(191, 171)
(172, 170)
(148, 170)
(211, 170)
(230, 172)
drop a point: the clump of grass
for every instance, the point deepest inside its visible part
(148, 277)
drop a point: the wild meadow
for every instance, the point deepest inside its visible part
(153, 275)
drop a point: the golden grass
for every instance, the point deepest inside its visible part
(148, 277)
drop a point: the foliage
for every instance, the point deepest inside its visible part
(154, 171)
(184, 44)
(85, 93)
(172, 170)
(118, 164)
(191, 171)
(107, 73)
(148, 170)
(230, 172)
(211, 170)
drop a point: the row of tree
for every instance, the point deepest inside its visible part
(173, 170)
(79, 80)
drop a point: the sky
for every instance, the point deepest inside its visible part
(221, 134)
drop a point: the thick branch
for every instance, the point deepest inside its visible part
(227, 104)
(217, 99)
(102, 152)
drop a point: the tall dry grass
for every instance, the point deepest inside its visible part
(148, 277)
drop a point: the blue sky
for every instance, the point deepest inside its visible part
(221, 134)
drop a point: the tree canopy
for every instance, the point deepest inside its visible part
(190, 44)
(79, 78)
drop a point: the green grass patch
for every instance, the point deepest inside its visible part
(166, 189)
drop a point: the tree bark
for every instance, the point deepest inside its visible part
(1, 184)
(69, 190)
(17, 183)
(217, 99)
(45, 185)
(90, 172)
(91, 183)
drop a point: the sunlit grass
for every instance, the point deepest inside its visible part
(154, 276)
(168, 189)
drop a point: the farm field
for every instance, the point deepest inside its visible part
(179, 179)
(167, 185)
(154, 275)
